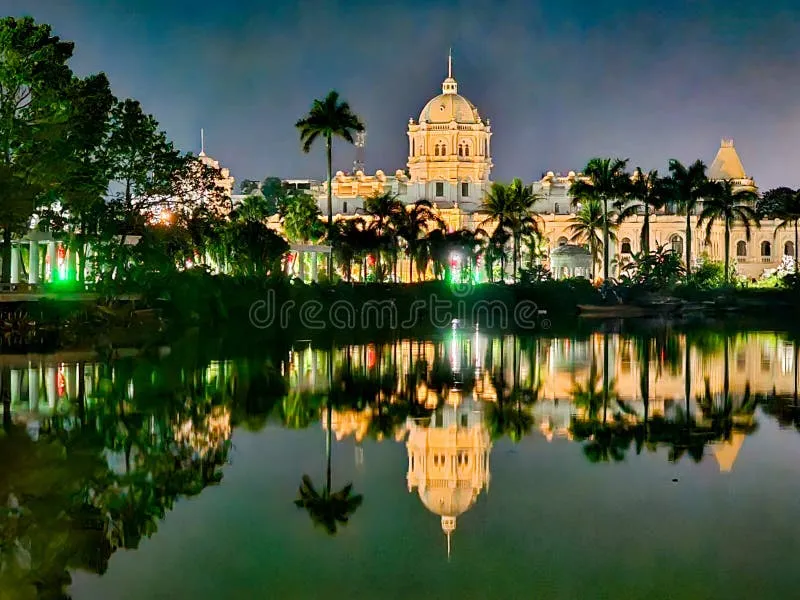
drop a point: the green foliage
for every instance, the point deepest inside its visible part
(660, 269)
(772, 203)
(710, 274)
(301, 218)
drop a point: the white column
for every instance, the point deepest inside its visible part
(52, 387)
(33, 262)
(301, 266)
(15, 263)
(16, 380)
(33, 388)
(314, 272)
(72, 265)
(72, 387)
(52, 256)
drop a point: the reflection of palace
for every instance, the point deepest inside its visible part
(448, 460)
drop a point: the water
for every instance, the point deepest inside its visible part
(480, 467)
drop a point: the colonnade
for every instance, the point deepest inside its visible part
(39, 272)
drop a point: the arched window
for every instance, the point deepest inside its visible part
(562, 241)
(413, 148)
(741, 248)
(436, 150)
(788, 248)
(466, 149)
(766, 249)
(626, 246)
(461, 149)
(556, 208)
(676, 242)
(444, 150)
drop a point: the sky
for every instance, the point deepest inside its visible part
(561, 81)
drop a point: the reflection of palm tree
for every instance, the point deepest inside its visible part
(328, 509)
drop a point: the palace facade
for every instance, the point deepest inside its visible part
(450, 163)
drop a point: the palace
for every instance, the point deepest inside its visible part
(449, 164)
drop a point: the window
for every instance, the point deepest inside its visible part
(439, 189)
(413, 148)
(562, 241)
(444, 150)
(461, 149)
(788, 248)
(436, 150)
(464, 420)
(344, 207)
(557, 208)
(626, 246)
(465, 189)
(741, 248)
(766, 249)
(676, 242)
(466, 149)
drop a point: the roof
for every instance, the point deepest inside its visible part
(448, 107)
(570, 250)
(726, 165)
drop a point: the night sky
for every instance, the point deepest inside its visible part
(561, 81)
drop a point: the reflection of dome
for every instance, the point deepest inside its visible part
(448, 460)
(448, 502)
(448, 107)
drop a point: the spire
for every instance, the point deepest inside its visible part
(450, 86)
(202, 142)
(448, 546)
(450, 64)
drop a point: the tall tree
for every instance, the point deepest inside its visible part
(523, 217)
(415, 222)
(606, 181)
(646, 194)
(789, 214)
(328, 118)
(499, 208)
(724, 202)
(34, 78)
(770, 204)
(686, 187)
(586, 223)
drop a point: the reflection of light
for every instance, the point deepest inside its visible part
(455, 355)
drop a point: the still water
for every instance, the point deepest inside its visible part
(606, 465)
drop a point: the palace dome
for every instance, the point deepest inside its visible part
(448, 502)
(448, 107)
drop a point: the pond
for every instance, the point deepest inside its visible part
(608, 464)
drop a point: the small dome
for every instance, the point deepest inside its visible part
(445, 108)
(570, 250)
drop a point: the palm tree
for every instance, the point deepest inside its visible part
(646, 193)
(585, 226)
(414, 223)
(386, 211)
(607, 181)
(789, 213)
(723, 202)
(328, 118)
(327, 508)
(499, 206)
(686, 186)
(523, 217)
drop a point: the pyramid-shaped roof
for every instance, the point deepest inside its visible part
(726, 165)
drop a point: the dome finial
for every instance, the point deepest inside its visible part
(449, 86)
(450, 63)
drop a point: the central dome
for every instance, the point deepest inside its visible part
(448, 107)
